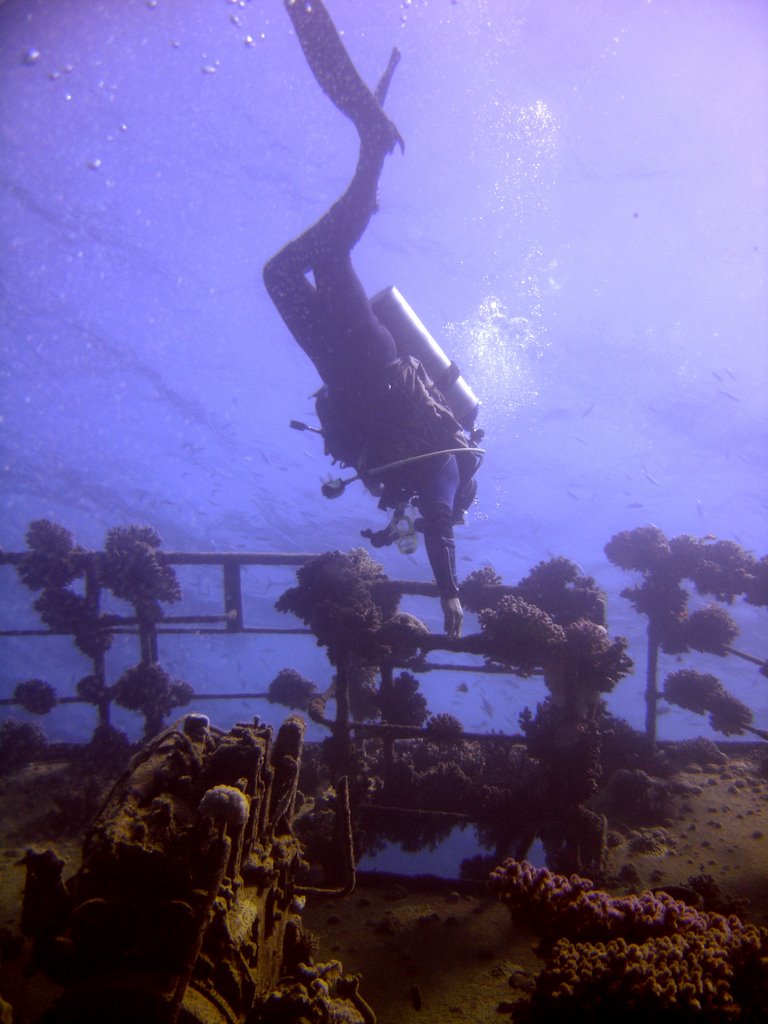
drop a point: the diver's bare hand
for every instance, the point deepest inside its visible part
(453, 615)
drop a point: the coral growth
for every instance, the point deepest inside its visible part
(134, 569)
(474, 594)
(699, 750)
(52, 562)
(586, 664)
(723, 569)
(149, 689)
(91, 689)
(640, 957)
(402, 634)
(444, 727)
(35, 696)
(107, 751)
(711, 630)
(290, 688)
(52, 566)
(716, 567)
(337, 598)
(519, 635)
(632, 795)
(559, 588)
(20, 743)
(720, 568)
(756, 586)
(130, 566)
(403, 703)
(702, 692)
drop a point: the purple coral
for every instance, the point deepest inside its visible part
(91, 689)
(403, 703)
(640, 958)
(559, 588)
(338, 599)
(643, 549)
(702, 692)
(519, 635)
(691, 689)
(149, 689)
(444, 726)
(588, 662)
(35, 696)
(724, 570)
(474, 589)
(756, 586)
(51, 561)
(134, 569)
(711, 630)
(728, 715)
(290, 688)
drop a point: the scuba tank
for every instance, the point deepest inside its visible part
(412, 338)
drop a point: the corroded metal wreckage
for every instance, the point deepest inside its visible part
(186, 907)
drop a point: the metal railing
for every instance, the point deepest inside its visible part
(232, 621)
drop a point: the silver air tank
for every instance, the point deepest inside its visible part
(413, 339)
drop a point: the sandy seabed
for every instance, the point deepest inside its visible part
(432, 951)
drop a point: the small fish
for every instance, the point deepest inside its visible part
(699, 509)
(462, 688)
(717, 376)
(589, 410)
(729, 394)
(487, 707)
(648, 477)
(635, 504)
(571, 494)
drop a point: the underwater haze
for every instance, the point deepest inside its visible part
(579, 216)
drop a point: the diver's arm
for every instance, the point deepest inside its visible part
(436, 502)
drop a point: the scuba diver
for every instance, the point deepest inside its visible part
(379, 409)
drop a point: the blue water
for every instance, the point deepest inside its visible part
(580, 215)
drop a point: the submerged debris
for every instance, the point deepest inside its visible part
(185, 906)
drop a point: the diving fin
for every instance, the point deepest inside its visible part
(336, 74)
(380, 93)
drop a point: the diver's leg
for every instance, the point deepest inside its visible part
(358, 338)
(336, 74)
(327, 244)
(332, 320)
(361, 346)
(327, 318)
(295, 298)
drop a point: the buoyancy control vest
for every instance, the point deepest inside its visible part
(399, 415)
(419, 404)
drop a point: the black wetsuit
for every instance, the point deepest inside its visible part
(334, 323)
